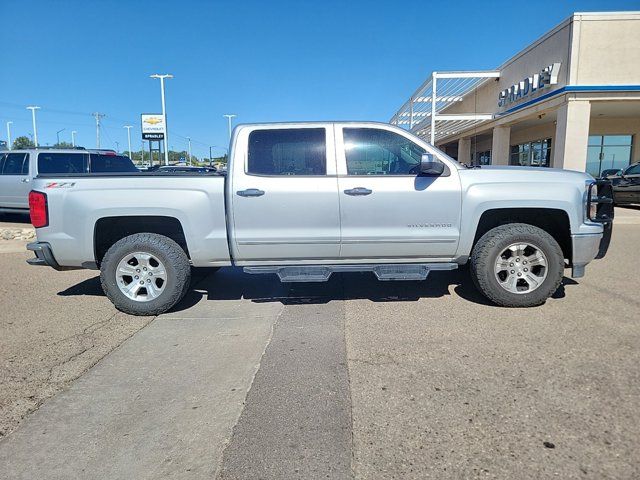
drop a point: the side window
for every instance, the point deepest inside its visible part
(371, 151)
(111, 164)
(13, 163)
(292, 151)
(49, 163)
(633, 170)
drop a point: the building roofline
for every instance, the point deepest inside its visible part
(567, 21)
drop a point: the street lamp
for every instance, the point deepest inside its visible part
(189, 139)
(129, 127)
(58, 135)
(73, 137)
(33, 109)
(9, 135)
(229, 117)
(117, 147)
(164, 113)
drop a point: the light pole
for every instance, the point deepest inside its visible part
(58, 135)
(98, 116)
(117, 147)
(229, 117)
(189, 139)
(164, 114)
(33, 109)
(73, 137)
(9, 135)
(129, 127)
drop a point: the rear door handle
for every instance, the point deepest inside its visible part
(250, 192)
(358, 191)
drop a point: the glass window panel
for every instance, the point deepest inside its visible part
(52, 163)
(13, 164)
(593, 161)
(635, 170)
(595, 140)
(292, 151)
(371, 151)
(617, 140)
(616, 157)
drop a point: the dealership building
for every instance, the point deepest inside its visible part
(569, 100)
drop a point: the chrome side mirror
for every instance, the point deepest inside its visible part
(430, 165)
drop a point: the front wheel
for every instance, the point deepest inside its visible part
(517, 265)
(145, 274)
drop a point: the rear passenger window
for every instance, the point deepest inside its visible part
(62, 163)
(111, 164)
(14, 164)
(292, 151)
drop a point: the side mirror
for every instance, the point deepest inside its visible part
(430, 165)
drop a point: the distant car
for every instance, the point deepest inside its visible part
(19, 167)
(610, 171)
(626, 185)
(186, 169)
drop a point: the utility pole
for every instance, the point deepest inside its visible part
(9, 135)
(129, 127)
(189, 138)
(164, 114)
(33, 109)
(229, 117)
(142, 152)
(58, 135)
(210, 157)
(117, 147)
(98, 116)
(73, 137)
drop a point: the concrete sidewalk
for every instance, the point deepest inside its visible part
(162, 405)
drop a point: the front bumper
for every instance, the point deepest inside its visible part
(589, 247)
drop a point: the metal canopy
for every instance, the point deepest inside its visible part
(424, 112)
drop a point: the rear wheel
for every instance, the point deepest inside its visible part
(517, 265)
(145, 274)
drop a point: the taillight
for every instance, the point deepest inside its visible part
(38, 209)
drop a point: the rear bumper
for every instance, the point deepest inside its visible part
(44, 256)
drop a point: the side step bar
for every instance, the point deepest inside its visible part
(321, 273)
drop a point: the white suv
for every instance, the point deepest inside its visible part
(19, 167)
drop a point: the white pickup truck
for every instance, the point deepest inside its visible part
(304, 200)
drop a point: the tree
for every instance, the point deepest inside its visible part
(63, 145)
(22, 142)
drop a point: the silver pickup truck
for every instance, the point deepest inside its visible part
(304, 200)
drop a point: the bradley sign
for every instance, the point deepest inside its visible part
(547, 76)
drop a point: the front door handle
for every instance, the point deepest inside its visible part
(25, 180)
(358, 191)
(250, 192)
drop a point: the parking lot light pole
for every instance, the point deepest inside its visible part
(189, 139)
(9, 135)
(73, 138)
(229, 117)
(129, 127)
(58, 135)
(164, 114)
(33, 109)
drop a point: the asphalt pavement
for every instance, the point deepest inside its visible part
(355, 378)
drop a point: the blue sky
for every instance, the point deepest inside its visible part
(263, 60)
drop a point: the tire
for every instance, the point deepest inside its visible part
(498, 265)
(130, 264)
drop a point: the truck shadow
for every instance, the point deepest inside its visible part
(234, 284)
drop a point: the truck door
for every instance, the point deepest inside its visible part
(283, 195)
(388, 210)
(14, 180)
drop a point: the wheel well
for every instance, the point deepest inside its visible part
(553, 221)
(109, 230)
